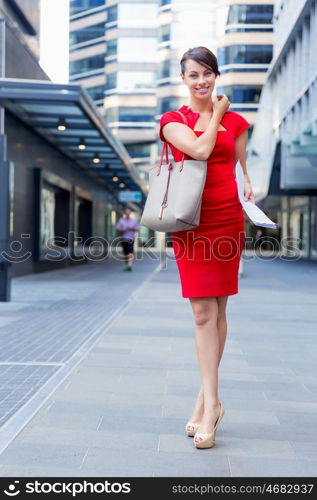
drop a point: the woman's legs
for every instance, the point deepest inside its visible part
(211, 332)
(222, 324)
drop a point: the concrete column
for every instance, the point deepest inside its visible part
(5, 265)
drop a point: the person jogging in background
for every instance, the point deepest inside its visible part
(128, 227)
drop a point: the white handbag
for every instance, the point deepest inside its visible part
(175, 191)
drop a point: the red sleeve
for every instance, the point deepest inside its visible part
(167, 117)
(240, 124)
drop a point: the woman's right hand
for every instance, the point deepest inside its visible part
(221, 104)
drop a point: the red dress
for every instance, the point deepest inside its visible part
(208, 256)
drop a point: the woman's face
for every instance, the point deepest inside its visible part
(199, 80)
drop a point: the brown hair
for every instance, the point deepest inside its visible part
(203, 56)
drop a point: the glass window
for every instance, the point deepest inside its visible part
(164, 33)
(241, 93)
(314, 226)
(87, 64)
(249, 30)
(169, 104)
(112, 115)
(250, 14)
(112, 14)
(254, 69)
(169, 69)
(86, 34)
(138, 150)
(127, 81)
(111, 81)
(164, 2)
(112, 47)
(131, 114)
(96, 93)
(165, 69)
(47, 230)
(137, 15)
(137, 49)
(248, 54)
(80, 5)
(131, 80)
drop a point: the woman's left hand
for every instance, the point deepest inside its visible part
(248, 193)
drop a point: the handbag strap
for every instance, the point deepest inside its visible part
(165, 148)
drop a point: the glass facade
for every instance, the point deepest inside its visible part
(249, 69)
(313, 212)
(96, 93)
(248, 54)
(130, 114)
(168, 69)
(241, 93)
(170, 103)
(139, 150)
(249, 30)
(47, 229)
(86, 34)
(128, 81)
(250, 14)
(164, 69)
(112, 47)
(298, 215)
(77, 6)
(111, 81)
(112, 13)
(87, 64)
(164, 33)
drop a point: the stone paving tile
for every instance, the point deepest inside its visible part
(261, 467)
(306, 450)
(104, 439)
(123, 461)
(140, 423)
(40, 471)
(290, 395)
(56, 316)
(228, 445)
(285, 432)
(18, 383)
(59, 455)
(133, 423)
(202, 464)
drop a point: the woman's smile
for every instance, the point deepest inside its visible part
(203, 90)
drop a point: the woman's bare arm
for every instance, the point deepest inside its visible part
(240, 154)
(184, 139)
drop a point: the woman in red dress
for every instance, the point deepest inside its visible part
(208, 256)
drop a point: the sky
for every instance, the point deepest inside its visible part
(54, 39)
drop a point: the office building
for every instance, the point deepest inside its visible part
(88, 47)
(244, 51)
(61, 168)
(283, 149)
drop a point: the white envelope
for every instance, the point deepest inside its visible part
(254, 213)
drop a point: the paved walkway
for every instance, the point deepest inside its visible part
(119, 372)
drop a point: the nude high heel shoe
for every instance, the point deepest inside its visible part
(195, 425)
(208, 439)
(191, 432)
